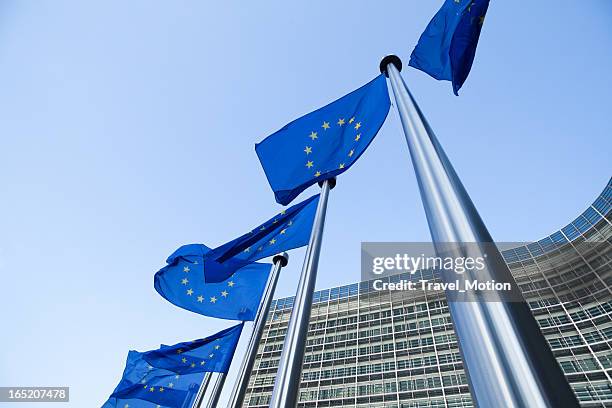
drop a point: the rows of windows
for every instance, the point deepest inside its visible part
(369, 349)
(384, 387)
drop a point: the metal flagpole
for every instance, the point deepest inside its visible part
(507, 359)
(287, 382)
(216, 392)
(194, 388)
(241, 385)
(200, 396)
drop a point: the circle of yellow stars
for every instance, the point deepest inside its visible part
(200, 298)
(314, 135)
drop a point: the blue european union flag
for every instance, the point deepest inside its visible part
(323, 143)
(182, 283)
(170, 376)
(144, 386)
(211, 354)
(447, 47)
(287, 230)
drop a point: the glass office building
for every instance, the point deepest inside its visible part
(385, 349)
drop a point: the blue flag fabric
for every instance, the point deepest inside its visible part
(182, 283)
(447, 47)
(211, 354)
(323, 143)
(171, 375)
(287, 230)
(144, 386)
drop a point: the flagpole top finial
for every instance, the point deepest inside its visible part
(283, 258)
(331, 181)
(390, 59)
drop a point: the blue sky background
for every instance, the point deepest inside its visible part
(127, 129)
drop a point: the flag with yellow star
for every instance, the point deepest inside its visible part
(182, 283)
(145, 386)
(288, 229)
(323, 143)
(447, 47)
(211, 354)
(171, 375)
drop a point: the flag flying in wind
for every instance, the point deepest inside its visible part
(287, 230)
(182, 283)
(447, 47)
(171, 375)
(160, 388)
(211, 354)
(323, 143)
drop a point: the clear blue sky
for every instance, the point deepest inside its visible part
(127, 129)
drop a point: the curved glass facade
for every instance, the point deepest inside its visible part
(384, 349)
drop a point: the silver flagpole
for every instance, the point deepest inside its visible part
(200, 396)
(194, 388)
(242, 383)
(216, 392)
(507, 359)
(288, 379)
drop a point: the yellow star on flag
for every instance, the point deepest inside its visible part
(340, 122)
(341, 166)
(200, 298)
(358, 137)
(308, 149)
(358, 125)
(224, 293)
(230, 284)
(186, 269)
(317, 174)
(313, 135)
(190, 292)
(309, 164)
(213, 299)
(351, 153)
(325, 125)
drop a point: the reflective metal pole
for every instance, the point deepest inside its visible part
(289, 372)
(194, 388)
(200, 396)
(242, 383)
(216, 392)
(506, 357)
